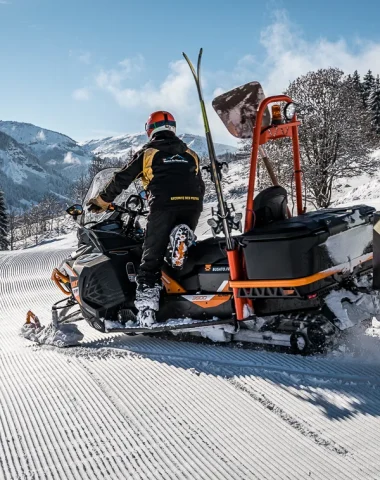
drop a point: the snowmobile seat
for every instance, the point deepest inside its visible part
(270, 206)
(307, 244)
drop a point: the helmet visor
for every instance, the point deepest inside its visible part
(155, 125)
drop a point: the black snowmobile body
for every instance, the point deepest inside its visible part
(295, 281)
(302, 252)
(101, 274)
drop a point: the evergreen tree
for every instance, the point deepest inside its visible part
(357, 82)
(97, 164)
(367, 86)
(374, 105)
(4, 243)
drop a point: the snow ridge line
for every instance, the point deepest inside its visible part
(295, 423)
(153, 431)
(115, 352)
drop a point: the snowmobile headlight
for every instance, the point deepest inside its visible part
(212, 222)
(289, 111)
(276, 115)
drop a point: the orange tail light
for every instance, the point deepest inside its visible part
(276, 115)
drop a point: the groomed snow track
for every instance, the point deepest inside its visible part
(138, 408)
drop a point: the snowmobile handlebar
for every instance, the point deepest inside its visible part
(120, 209)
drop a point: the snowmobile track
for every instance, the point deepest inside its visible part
(143, 408)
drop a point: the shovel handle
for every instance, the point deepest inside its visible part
(270, 171)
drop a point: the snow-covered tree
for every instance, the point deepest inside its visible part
(12, 228)
(367, 86)
(357, 82)
(374, 105)
(4, 243)
(336, 138)
(79, 188)
(51, 208)
(97, 164)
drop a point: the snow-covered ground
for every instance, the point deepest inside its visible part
(124, 407)
(120, 407)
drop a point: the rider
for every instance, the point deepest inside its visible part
(171, 175)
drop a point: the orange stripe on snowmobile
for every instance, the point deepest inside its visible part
(295, 282)
(208, 301)
(171, 286)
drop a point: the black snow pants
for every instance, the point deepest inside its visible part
(159, 226)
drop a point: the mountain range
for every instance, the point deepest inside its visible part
(35, 161)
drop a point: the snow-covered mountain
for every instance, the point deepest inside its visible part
(35, 160)
(51, 148)
(120, 146)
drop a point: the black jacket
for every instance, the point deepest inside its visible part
(170, 173)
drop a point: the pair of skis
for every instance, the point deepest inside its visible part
(223, 212)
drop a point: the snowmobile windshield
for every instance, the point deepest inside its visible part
(98, 183)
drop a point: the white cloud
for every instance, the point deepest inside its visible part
(289, 55)
(176, 93)
(172, 93)
(71, 159)
(81, 55)
(112, 79)
(4, 2)
(286, 54)
(81, 94)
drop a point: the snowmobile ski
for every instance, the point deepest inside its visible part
(168, 326)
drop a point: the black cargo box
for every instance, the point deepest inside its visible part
(307, 244)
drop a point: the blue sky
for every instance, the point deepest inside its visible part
(92, 68)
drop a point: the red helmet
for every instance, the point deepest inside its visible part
(159, 121)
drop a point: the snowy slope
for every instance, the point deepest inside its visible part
(51, 148)
(123, 407)
(119, 147)
(16, 162)
(23, 177)
(35, 161)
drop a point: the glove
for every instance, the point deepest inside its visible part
(97, 205)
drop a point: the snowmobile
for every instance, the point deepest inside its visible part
(297, 282)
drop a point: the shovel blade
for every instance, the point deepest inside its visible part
(238, 109)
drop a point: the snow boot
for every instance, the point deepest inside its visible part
(181, 239)
(146, 317)
(147, 303)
